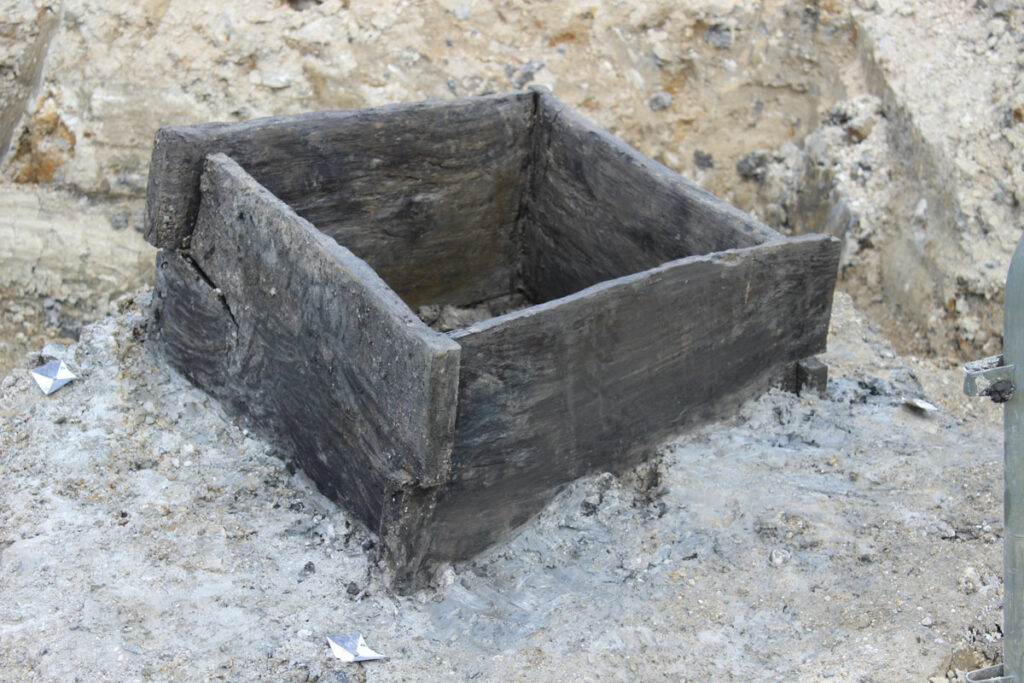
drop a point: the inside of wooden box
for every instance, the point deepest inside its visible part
(470, 216)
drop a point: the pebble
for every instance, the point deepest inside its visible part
(752, 166)
(719, 36)
(524, 74)
(659, 101)
(119, 220)
(969, 581)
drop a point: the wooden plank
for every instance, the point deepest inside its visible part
(321, 354)
(598, 209)
(428, 194)
(591, 382)
(443, 444)
(190, 322)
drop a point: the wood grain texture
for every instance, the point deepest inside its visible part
(592, 381)
(598, 209)
(322, 354)
(428, 194)
(665, 306)
(190, 321)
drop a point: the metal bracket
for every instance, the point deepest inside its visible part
(990, 674)
(990, 377)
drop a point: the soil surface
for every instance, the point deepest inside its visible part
(850, 537)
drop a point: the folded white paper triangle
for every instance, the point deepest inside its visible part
(350, 647)
(52, 376)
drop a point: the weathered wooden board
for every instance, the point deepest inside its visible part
(598, 209)
(591, 382)
(428, 194)
(294, 331)
(665, 306)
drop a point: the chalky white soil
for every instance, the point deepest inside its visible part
(845, 538)
(145, 537)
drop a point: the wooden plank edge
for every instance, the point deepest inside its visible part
(551, 109)
(172, 190)
(440, 352)
(728, 255)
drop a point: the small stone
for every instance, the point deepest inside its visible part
(352, 589)
(524, 74)
(919, 405)
(703, 160)
(120, 220)
(719, 36)
(927, 621)
(753, 166)
(461, 12)
(275, 80)
(969, 581)
(859, 128)
(446, 577)
(659, 101)
(779, 556)
(662, 53)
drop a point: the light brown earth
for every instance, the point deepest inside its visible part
(846, 538)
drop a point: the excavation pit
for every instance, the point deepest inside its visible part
(295, 249)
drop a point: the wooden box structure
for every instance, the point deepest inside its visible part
(294, 248)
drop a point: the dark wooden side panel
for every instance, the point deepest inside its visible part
(323, 355)
(598, 209)
(428, 194)
(592, 381)
(190, 322)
